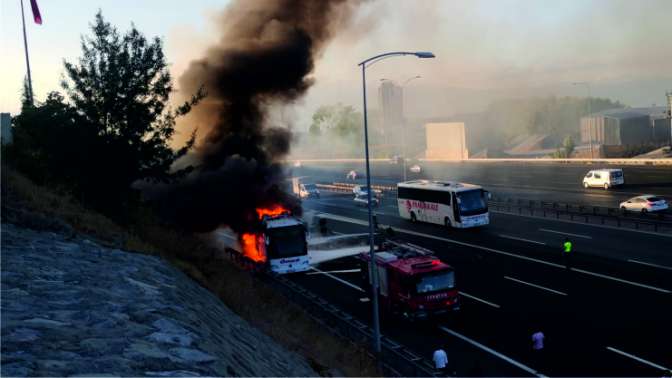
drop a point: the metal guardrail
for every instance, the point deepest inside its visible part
(607, 161)
(395, 359)
(659, 222)
(347, 187)
(656, 222)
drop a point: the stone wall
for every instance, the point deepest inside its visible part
(73, 307)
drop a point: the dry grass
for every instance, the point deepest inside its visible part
(42, 207)
(263, 306)
(287, 322)
(253, 300)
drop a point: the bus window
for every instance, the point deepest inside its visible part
(287, 242)
(471, 202)
(444, 198)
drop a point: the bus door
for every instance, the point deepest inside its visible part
(445, 208)
(455, 209)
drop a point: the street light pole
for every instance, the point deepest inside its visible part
(372, 255)
(590, 112)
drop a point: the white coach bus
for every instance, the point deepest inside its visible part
(449, 203)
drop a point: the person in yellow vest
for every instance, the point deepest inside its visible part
(567, 253)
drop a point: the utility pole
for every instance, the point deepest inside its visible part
(25, 45)
(669, 112)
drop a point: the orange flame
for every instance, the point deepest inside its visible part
(253, 244)
(272, 211)
(250, 244)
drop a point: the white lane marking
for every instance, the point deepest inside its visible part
(566, 233)
(650, 264)
(491, 351)
(520, 239)
(344, 282)
(535, 285)
(638, 359)
(364, 300)
(477, 246)
(336, 271)
(363, 223)
(621, 280)
(479, 299)
(338, 233)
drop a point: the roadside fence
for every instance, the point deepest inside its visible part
(395, 359)
(576, 212)
(656, 222)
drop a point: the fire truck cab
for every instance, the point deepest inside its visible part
(413, 282)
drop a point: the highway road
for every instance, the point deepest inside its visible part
(607, 316)
(538, 181)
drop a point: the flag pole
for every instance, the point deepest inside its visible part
(25, 45)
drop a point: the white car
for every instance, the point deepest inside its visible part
(352, 175)
(603, 178)
(362, 200)
(360, 190)
(297, 164)
(415, 168)
(646, 203)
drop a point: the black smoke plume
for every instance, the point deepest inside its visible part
(264, 58)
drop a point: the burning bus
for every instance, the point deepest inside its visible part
(413, 282)
(279, 244)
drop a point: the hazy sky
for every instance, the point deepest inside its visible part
(485, 49)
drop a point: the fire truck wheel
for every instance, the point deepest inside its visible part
(413, 217)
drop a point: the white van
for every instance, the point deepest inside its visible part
(603, 178)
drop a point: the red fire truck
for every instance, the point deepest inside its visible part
(413, 282)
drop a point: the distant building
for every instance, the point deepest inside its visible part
(6, 127)
(446, 141)
(391, 103)
(622, 127)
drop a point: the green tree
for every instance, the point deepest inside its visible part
(336, 120)
(49, 143)
(568, 146)
(27, 98)
(118, 119)
(566, 150)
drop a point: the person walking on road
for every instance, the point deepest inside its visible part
(440, 359)
(538, 348)
(567, 253)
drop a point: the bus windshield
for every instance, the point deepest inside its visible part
(286, 242)
(472, 202)
(436, 282)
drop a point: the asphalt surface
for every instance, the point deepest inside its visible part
(609, 315)
(538, 181)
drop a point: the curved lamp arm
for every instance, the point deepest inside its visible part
(419, 54)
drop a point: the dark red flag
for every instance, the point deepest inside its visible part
(36, 12)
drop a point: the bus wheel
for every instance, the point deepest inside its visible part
(446, 222)
(413, 217)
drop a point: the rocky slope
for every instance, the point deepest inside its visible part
(73, 307)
